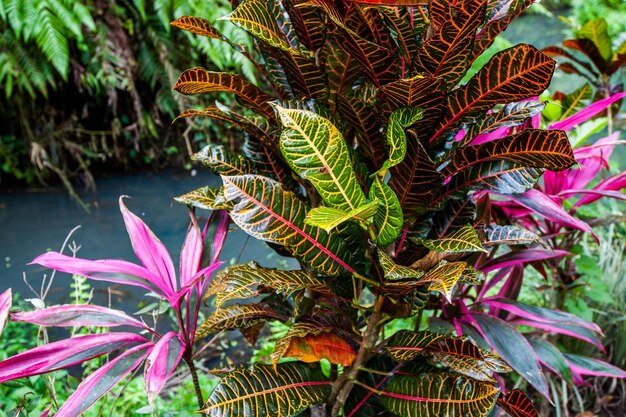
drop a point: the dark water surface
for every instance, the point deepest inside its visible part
(33, 222)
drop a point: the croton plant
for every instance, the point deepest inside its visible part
(362, 154)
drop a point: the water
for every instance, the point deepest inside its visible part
(33, 222)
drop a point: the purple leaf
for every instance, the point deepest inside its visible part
(587, 113)
(521, 257)
(6, 298)
(609, 185)
(162, 362)
(63, 354)
(583, 365)
(512, 347)
(544, 206)
(78, 315)
(109, 270)
(540, 314)
(551, 357)
(149, 249)
(190, 255)
(565, 329)
(221, 231)
(102, 381)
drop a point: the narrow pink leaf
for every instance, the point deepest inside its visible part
(540, 314)
(576, 332)
(190, 255)
(63, 354)
(109, 270)
(493, 135)
(149, 249)
(222, 220)
(587, 113)
(583, 365)
(77, 315)
(611, 184)
(196, 279)
(162, 362)
(596, 194)
(102, 381)
(46, 411)
(6, 298)
(521, 257)
(544, 206)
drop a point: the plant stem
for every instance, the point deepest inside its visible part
(194, 376)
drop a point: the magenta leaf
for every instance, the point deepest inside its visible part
(512, 347)
(565, 329)
(78, 315)
(587, 113)
(540, 314)
(521, 257)
(551, 357)
(150, 251)
(190, 255)
(6, 298)
(63, 354)
(607, 187)
(162, 362)
(46, 411)
(109, 270)
(221, 220)
(544, 206)
(102, 381)
(583, 365)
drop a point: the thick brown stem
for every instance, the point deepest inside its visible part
(196, 382)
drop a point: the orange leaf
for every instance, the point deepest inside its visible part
(312, 348)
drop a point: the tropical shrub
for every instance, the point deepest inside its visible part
(361, 159)
(160, 351)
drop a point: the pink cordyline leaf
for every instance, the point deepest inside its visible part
(583, 365)
(540, 314)
(190, 255)
(63, 354)
(521, 257)
(587, 113)
(150, 251)
(6, 298)
(162, 362)
(78, 315)
(614, 183)
(493, 135)
(46, 411)
(222, 219)
(102, 381)
(109, 270)
(545, 206)
(576, 332)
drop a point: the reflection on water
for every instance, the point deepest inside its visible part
(34, 222)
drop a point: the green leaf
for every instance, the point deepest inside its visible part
(266, 391)
(206, 198)
(597, 31)
(551, 357)
(234, 317)
(389, 219)
(440, 394)
(329, 218)
(509, 235)
(224, 162)
(396, 137)
(243, 281)
(316, 150)
(463, 239)
(444, 277)
(267, 212)
(394, 271)
(198, 26)
(254, 17)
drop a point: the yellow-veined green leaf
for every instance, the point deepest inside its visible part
(389, 218)
(316, 150)
(509, 235)
(197, 26)
(206, 198)
(267, 212)
(394, 271)
(234, 317)
(444, 277)
(267, 391)
(441, 394)
(328, 218)
(223, 162)
(242, 281)
(463, 239)
(396, 137)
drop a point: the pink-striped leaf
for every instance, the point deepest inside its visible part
(583, 365)
(77, 315)
(6, 298)
(521, 257)
(63, 354)
(222, 220)
(540, 314)
(564, 329)
(102, 381)
(190, 254)
(150, 251)
(587, 113)
(546, 207)
(608, 188)
(109, 270)
(162, 362)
